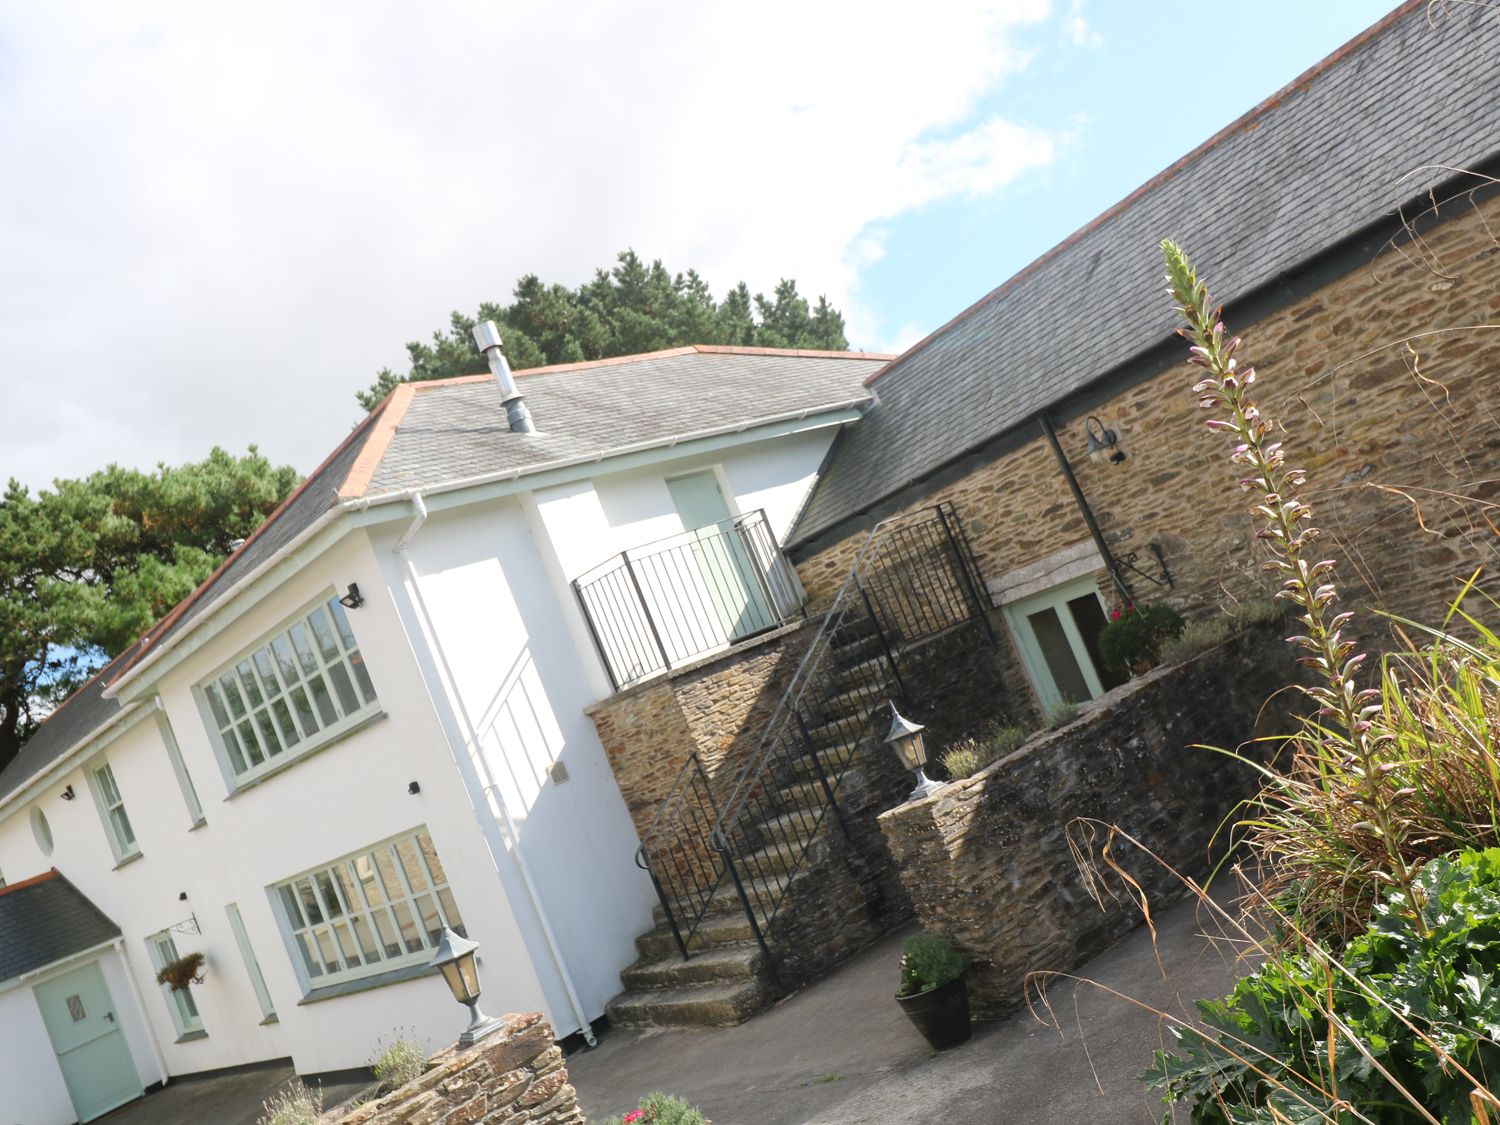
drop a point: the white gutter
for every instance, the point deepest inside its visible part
(140, 1003)
(289, 547)
(502, 475)
(59, 767)
(434, 647)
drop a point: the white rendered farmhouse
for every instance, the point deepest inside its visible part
(369, 724)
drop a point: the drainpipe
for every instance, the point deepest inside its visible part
(140, 1006)
(1087, 512)
(445, 673)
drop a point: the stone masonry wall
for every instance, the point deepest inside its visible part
(515, 1076)
(1402, 445)
(987, 861)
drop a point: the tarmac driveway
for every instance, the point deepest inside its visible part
(841, 1052)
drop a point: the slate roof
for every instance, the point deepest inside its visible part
(427, 434)
(457, 429)
(47, 919)
(1316, 163)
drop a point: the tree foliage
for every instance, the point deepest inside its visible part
(90, 565)
(631, 308)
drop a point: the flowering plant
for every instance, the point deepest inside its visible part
(661, 1109)
(1132, 640)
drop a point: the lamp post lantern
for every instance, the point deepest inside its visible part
(455, 957)
(905, 737)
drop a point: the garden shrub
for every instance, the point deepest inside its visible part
(927, 961)
(964, 759)
(1197, 637)
(661, 1109)
(1132, 640)
(1061, 713)
(1410, 1010)
(398, 1062)
(295, 1105)
(1007, 740)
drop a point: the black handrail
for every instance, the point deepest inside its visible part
(914, 577)
(656, 607)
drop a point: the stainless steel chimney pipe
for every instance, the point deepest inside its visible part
(487, 336)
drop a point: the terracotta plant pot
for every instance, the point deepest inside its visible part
(941, 1014)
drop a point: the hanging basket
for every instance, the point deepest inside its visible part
(178, 974)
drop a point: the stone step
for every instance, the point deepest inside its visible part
(703, 1005)
(726, 899)
(779, 857)
(850, 648)
(714, 931)
(851, 701)
(836, 732)
(716, 965)
(872, 670)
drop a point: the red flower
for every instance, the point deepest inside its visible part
(634, 1115)
(1114, 615)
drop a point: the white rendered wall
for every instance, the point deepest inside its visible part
(521, 681)
(32, 1089)
(327, 805)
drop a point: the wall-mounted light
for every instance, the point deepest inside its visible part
(354, 599)
(67, 793)
(413, 788)
(1104, 443)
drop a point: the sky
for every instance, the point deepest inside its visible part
(218, 221)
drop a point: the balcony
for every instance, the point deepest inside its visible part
(660, 606)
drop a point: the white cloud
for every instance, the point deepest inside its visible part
(218, 220)
(1076, 30)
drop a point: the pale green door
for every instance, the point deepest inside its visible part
(1058, 635)
(85, 1031)
(730, 585)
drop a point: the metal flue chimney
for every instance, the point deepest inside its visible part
(487, 336)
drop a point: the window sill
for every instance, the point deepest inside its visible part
(131, 858)
(269, 1020)
(282, 767)
(365, 984)
(201, 822)
(191, 1036)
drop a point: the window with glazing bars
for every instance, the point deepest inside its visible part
(112, 805)
(376, 910)
(293, 693)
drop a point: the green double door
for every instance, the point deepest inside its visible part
(84, 1027)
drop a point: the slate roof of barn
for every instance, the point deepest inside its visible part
(1323, 159)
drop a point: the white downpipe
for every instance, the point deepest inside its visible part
(140, 1006)
(435, 648)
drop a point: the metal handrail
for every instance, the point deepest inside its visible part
(663, 604)
(787, 740)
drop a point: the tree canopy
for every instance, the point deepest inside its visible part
(631, 308)
(90, 565)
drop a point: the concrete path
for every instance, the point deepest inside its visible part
(220, 1099)
(841, 1052)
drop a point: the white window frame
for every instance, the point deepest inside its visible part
(179, 767)
(252, 966)
(1056, 598)
(105, 787)
(180, 1004)
(258, 720)
(336, 948)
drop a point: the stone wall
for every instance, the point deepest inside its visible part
(1401, 444)
(987, 860)
(515, 1076)
(717, 707)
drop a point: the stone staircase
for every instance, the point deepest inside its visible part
(725, 980)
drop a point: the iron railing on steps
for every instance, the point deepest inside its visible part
(740, 840)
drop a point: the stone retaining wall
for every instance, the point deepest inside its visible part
(515, 1076)
(987, 861)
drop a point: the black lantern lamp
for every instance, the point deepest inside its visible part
(455, 957)
(905, 737)
(1104, 443)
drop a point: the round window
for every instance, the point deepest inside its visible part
(41, 830)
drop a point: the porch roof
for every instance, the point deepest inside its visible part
(45, 920)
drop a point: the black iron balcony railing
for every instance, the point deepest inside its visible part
(659, 606)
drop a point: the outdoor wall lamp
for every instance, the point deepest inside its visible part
(455, 957)
(67, 793)
(1104, 443)
(905, 737)
(354, 599)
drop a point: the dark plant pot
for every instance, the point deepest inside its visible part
(941, 1014)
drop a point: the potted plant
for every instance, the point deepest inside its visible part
(1131, 643)
(933, 993)
(178, 974)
